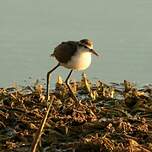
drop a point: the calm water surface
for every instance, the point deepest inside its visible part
(121, 30)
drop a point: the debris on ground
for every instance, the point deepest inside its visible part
(109, 117)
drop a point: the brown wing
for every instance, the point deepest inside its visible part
(65, 50)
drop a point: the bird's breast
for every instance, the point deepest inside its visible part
(79, 61)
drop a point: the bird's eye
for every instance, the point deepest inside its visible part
(85, 47)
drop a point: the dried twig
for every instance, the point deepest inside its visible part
(40, 130)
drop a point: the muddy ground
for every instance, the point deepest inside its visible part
(107, 117)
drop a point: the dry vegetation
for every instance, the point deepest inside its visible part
(115, 117)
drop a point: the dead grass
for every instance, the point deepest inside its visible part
(115, 117)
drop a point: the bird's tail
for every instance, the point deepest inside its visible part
(52, 55)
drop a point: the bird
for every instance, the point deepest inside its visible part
(73, 55)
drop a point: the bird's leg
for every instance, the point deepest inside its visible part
(66, 81)
(48, 81)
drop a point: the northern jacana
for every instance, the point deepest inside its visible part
(74, 55)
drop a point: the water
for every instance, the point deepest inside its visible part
(121, 30)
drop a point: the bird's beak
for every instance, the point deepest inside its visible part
(94, 52)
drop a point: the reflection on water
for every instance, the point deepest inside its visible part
(31, 29)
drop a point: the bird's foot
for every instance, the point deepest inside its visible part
(74, 96)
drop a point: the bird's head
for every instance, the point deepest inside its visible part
(89, 44)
